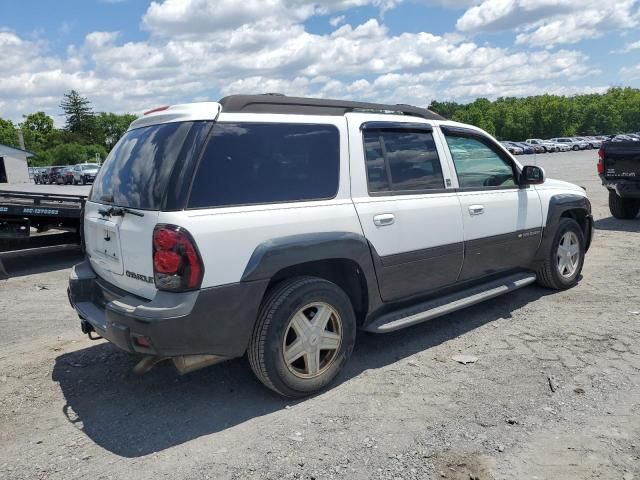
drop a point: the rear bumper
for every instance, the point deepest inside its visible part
(214, 321)
(623, 188)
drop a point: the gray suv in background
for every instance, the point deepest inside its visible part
(574, 143)
(85, 173)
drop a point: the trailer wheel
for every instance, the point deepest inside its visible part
(623, 208)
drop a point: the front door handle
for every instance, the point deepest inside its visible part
(384, 219)
(476, 209)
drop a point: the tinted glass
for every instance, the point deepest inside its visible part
(376, 168)
(250, 163)
(478, 165)
(137, 171)
(411, 158)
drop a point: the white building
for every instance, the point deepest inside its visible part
(13, 165)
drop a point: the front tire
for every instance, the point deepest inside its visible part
(304, 335)
(623, 208)
(576, 148)
(563, 264)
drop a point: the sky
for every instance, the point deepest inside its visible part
(133, 55)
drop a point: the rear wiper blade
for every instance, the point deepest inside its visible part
(132, 212)
(118, 212)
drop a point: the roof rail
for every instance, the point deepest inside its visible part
(278, 103)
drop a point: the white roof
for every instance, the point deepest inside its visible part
(15, 152)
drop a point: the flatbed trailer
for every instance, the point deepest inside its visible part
(37, 215)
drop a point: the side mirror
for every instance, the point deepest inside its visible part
(531, 175)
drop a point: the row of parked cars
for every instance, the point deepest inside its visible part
(565, 144)
(82, 173)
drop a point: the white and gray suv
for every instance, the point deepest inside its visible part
(278, 227)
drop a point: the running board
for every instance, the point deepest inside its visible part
(449, 303)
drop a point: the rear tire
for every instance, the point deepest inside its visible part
(623, 208)
(563, 264)
(288, 309)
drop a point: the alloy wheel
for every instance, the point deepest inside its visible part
(312, 340)
(568, 254)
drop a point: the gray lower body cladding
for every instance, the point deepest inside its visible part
(216, 321)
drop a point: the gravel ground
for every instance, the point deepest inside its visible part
(555, 393)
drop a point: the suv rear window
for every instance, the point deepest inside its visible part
(138, 171)
(253, 163)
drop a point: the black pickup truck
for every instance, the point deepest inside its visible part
(619, 170)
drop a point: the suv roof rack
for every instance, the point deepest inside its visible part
(279, 103)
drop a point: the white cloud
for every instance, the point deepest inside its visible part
(631, 73)
(631, 46)
(550, 22)
(193, 17)
(335, 21)
(253, 51)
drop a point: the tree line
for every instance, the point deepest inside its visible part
(85, 135)
(550, 116)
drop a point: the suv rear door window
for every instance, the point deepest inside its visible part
(403, 160)
(479, 165)
(254, 163)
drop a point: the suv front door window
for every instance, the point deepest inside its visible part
(477, 165)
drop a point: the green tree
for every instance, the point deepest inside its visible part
(8, 133)
(79, 115)
(72, 153)
(549, 116)
(111, 126)
(36, 128)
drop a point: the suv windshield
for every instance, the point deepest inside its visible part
(138, 170)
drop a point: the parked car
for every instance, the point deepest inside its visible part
(563, 147)
(212, 232)
(44, 175)
(66, 176)
(619, 170)
(546, 145)
(38, 175)
(591, 142)
(529, 149)
(513, 149)
(572, 143)
(624, 138)
(85, 173)
(53, 175)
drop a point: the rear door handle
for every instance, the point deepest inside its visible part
(476, 209)
(384, 219)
